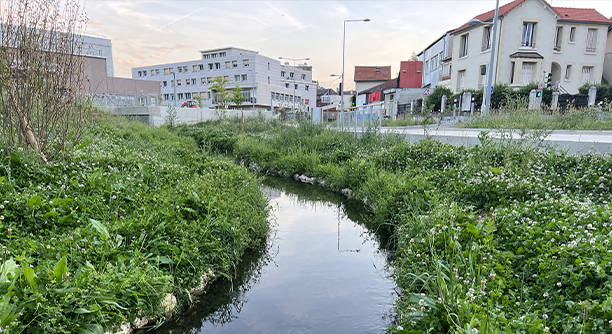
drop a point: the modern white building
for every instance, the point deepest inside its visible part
(99, 47)
(271, 82)
(533, 37)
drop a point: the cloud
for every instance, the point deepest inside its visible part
(95, 22)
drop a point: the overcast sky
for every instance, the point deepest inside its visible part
(157, 32)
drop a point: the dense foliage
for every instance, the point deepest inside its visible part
(500, 237)
(130, 224)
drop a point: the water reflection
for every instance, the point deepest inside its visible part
(319, 272)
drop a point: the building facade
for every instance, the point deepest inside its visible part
(435, 70)
(534, 37)
(268, 81)
(369, 76)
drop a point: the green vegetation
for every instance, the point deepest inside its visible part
(416, 120)
(503, 237)
(131, 224)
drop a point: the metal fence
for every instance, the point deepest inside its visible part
(361, 118)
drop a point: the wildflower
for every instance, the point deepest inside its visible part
(559, 284)
(545, 294)
(412, 240)
(422, 302)
(545, 316)
(483, 284)
(455, 272)
(400, 328)
(1, 217)
(546, 329)
(591, 264)
(492, 275)
(474, 331)
(1, 206)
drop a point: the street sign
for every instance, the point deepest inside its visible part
(541, 85)
(426, 92)
(491, 89)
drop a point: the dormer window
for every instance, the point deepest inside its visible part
(377, 69)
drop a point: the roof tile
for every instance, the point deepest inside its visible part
(370, 73)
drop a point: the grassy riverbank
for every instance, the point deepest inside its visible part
(130, 225)
(501, 237)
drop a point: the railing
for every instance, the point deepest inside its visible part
(528, 44)
(590, 49)
(370, 116)
(557, 48)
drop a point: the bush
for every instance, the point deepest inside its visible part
(434, 101)
(604, 92)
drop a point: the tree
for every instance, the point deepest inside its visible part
(237, 98)
(172, 117)
(42, 104)
(200, 100)
(221, 95)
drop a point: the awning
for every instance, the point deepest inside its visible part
(526, 55)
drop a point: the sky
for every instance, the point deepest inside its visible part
(157, 32)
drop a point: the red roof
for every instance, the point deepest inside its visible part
(581, 14)
(372, 73)
(572, 14)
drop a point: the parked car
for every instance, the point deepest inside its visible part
(190, 104)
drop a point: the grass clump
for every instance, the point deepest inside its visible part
(129, 225)
(502, 237)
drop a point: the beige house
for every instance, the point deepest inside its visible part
(607, 72)
(533, 37)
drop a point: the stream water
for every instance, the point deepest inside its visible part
(321, 271)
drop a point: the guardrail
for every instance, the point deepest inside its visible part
(351, 117)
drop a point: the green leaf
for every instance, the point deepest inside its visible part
(164, 260)
(472, 229)
(414, 331)
(1, 179)
(81, 310)
(35, 200)
(29, 275)
(91, 329)
(15, 158)
(8, 268)
(495, 170)
(51, 214)
(60, 269)
(101, 229)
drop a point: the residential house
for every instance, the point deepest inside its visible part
(534, 37)
(607, 72)
(268, 81)
(436, 62)
(370, 76)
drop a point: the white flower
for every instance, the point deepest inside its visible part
(1, 206)
(591, 264)
(545, 294)
(545, 316)
(400, 328)
(1, 217)
(421, 302)
(559, 284)
(546, 329)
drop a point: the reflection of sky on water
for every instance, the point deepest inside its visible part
(322, 273)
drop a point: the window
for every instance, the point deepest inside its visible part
(166, 97)
(208, 80)
(208, 95)
(172, 97)
(291, 75)
(185, 69)
(527, 73)
(568, 72)
(460, 80)
(245, 62)
(144, 73)
(306, 88)
(529, 34)
(210, 66)
(282, 74)
(296, 86)
(236, 78)
(187, 82)
(482, 75)
(193, 81)
(139, 74)
(268, 80)
(222, 54)
(286, 85)
(165, 71)
(572, 38)
(244, 77)
(172, 83)
(463, 46)
(152, 72)
(228, 64)
(226, 78)
(171, 69)
(307, 101)
(157, 72)
(218, 66)
(586, 74)
(203, 80)
(377, 69)
(303, 76)
(188, 96)
(165, 83)
(235, 63)
(214, 55)
(591, 40)
(203, 95)
(486, 38)
(178, 82)
(180, 69)
(201, 67)
(512, 67)
(426, 67)
(268, 66)
(180, 96)
(205, 56)
(433, 64)
(195, 68)
(558, 38)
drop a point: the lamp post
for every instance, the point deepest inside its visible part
(327, 94)
(174, 84)
(343, 51)
(476, 22)
(294, 70)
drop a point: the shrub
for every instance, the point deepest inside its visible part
(434, 100)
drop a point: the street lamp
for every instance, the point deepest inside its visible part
(474, 23)
(294, 70)
(174, 84)
(327, 94)
(343, 48)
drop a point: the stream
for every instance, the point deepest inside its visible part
(322, 270)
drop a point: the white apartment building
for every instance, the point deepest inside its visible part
(435, 70)
(533, 37)
(269, 81)
(99, 47)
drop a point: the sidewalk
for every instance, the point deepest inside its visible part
(574, 141)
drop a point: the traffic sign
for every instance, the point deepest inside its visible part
(426, 92)
(541, 85)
